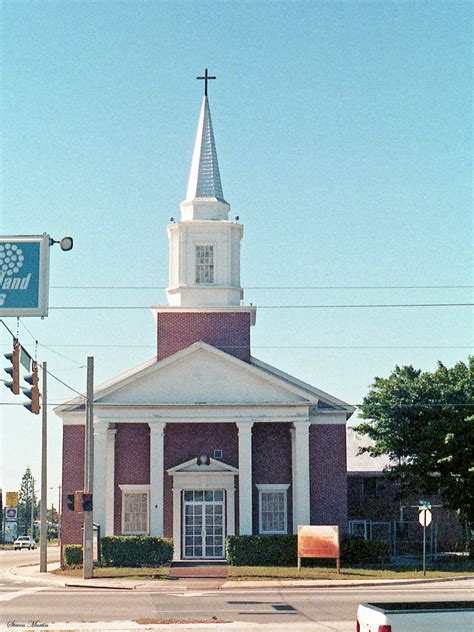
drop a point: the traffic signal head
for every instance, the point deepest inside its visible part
(87, 502)
(70, 502)
(74, 501)
(33, 393)
(14, 369)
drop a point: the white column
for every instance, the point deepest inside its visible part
(156, 477)
(301, 478)
(245, 477)
(293, 478)
(176, 524)
(230, 512)
(110, 487)
(100, 472)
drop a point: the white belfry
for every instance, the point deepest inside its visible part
(204, 266)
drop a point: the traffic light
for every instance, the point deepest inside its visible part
(70, 502)
(87, 502)
(33, 393)
(14, 369)
(74, 501)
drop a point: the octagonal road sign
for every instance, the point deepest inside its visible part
(425, 516)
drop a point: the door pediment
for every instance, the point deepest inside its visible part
(193, 467)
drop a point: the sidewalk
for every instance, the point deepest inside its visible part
(32, 573)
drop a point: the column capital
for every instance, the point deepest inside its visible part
(244, 426)
(157, 427)
(301, 427)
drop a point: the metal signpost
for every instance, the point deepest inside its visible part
(44, 478)
(424, 516)
(88, 551)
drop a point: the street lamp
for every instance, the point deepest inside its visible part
(66, 243)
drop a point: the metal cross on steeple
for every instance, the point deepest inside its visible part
(206, 79)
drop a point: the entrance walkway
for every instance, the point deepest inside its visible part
(199, 570)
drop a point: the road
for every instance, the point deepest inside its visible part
(330, 609)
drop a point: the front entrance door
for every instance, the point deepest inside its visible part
(203, 524)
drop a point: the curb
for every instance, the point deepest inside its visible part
(301, 583)
(149, 586)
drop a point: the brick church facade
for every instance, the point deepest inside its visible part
(204, 440)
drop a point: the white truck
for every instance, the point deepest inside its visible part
(416, 616)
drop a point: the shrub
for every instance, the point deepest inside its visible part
(72, 554)
(135, 551)
(355, 550)
(281, 550)
(261, 550)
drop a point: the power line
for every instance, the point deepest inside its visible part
(340, 306)
(369, 347)
(39, 364)
(430, 406)
(81, 365)
(274, 287)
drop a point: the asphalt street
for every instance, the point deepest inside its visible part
(331, 609)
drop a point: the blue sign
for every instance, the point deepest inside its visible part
(24, 275)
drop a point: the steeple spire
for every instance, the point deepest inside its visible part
(204, 177)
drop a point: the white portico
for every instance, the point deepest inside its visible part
(164, 397)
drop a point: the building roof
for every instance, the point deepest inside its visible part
(362, 463)
(204, 177)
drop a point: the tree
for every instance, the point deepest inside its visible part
(26, 497)
(424, 422)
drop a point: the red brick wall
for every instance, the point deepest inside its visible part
(72, 479)
(132, 463)
(229, 332)
(271, 463)
(187, 441)
(328, 489)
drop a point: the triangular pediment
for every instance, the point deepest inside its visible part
(193, 466)
(199, 374)
(203, 374)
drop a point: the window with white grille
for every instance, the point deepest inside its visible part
(204, 265)
(134, 512)
(272, 501)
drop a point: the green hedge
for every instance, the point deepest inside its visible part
(136, 551)
(261, 550)
(280, 550)
(72, 554)
(355, 550)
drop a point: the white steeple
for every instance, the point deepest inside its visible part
(204, 197)
(204, 178)
(204, 247)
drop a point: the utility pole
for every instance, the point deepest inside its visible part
(59, 517)
(44, 477)
(32, 506)
(87, 549)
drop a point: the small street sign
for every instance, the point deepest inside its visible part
(425, 516)
(10, 514)
(425, 504)
(11, 499)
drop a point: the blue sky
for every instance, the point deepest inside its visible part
(344, 136)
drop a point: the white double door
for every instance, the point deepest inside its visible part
(203, 524)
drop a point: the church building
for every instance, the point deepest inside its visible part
(204, 440)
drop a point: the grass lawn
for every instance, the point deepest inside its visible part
(161, 572)
(262, 573)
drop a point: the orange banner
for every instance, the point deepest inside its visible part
(318, 541)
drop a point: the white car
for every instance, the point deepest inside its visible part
(24, 542)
